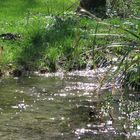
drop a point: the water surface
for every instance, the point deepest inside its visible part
(65, 107)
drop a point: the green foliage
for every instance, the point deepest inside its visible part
(53, 37)
(123, 8)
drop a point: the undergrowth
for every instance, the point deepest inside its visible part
(53, 37)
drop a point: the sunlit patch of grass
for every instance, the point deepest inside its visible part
(10, 10)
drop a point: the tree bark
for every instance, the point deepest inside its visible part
(92, 4)
(98, 7)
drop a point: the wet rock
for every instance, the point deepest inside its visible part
(43, 71)
(16, 73)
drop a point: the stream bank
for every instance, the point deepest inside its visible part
(66, 106)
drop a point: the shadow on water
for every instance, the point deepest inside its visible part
(64, 107)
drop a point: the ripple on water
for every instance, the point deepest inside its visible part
(56, 107)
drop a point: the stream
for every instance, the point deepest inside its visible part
(66, 106)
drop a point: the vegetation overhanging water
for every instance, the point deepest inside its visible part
(48, 36)
(66, 106)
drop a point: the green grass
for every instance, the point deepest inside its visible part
(28, 18)
(10, 10)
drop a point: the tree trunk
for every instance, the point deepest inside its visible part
(97, 7)
(92, 4)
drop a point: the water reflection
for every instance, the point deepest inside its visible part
(66, 106)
